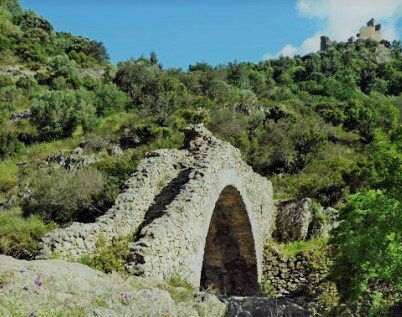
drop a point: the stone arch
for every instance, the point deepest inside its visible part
(229, 261)
(167, 206)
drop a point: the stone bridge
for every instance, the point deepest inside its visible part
(200, 213)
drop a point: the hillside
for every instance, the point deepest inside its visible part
(325, 126)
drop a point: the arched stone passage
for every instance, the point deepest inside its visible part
(167, 206)
(230, 263)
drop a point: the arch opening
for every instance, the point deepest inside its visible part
(230, 263)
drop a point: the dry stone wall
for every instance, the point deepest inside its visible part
(128, 212)
(168, 205)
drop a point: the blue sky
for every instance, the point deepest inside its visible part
(183, 32)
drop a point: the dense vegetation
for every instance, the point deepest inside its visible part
(326, 125)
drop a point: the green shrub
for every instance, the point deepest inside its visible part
(9, 144)
(135, 134)
(368, 114)
(176, 280)
(368, 251)
(140, 79)
(6, 81)
(28, 84)
(11, 98)
(63, 196)
(8, 175)
(110, 257)
(110, 99)
(20, 236)
(59, 113)
(287, 146)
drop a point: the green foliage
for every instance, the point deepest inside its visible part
(20, 236)
(59, 114)
(292, 145)
(9, 144)
(178, 281)
(110, 257)
(11, 5)
(135, 134)
(368, 114)
(8, 175)
(140, 79)
(110, 99)
(368, 244)
(117, 171)
(386, 157)
(368, 254)
(62, 196)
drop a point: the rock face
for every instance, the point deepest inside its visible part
(200, 212)
(58, 288)
(72, 161)
(262, 306)
(293, 220)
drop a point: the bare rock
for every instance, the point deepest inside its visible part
(293, 220)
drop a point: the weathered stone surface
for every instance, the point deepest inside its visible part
(170, 201)
(263, 306)
(304, 276)
(58, 288)
(370, 31)
(325, 43)
(293, 219)
(72, 161)
(22, 115)
(115, 150)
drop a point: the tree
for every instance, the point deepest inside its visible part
(368, 242)
(368, 252)
(140, 79)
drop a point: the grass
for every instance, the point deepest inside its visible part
(19, 233)
(292, 249)
(112, 124)
(8, 175)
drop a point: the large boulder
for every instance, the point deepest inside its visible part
(299, 219)
(293, 220)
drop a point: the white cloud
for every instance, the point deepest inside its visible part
(341, 19)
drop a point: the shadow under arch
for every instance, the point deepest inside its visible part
(230, 263)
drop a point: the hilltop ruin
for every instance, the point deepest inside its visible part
(370, 31)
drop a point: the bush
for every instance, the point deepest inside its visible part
(63, 197)
(140, 79)
(6, 81)
(110, 257)
(287, 146)
(19, 237)
(368, 114)
(28, 84)
(8, 175)
(133, 135)
(368, 252)
(110, 99)
(57, 114)
(9, 144)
